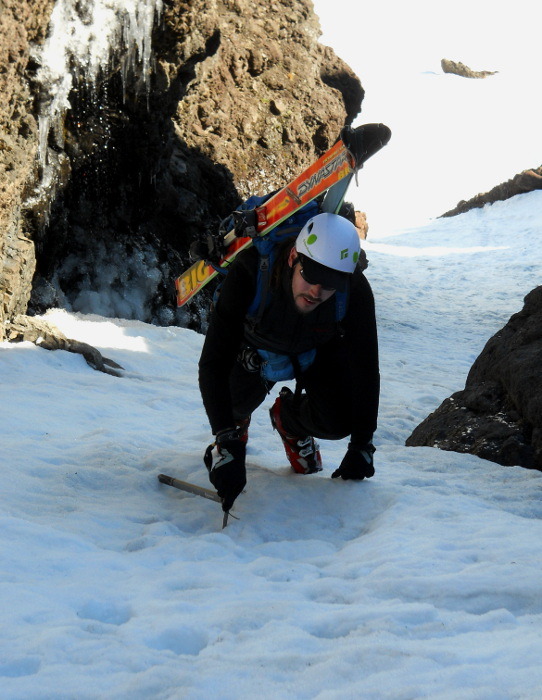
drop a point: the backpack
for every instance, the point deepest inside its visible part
(272, 366)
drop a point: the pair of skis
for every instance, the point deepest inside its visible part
(330, 174)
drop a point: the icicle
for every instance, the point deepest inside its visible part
(85, 36)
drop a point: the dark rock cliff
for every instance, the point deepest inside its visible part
(498, 415)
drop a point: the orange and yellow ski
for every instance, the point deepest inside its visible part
(339, 162)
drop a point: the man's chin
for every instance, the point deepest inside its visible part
(305, 305)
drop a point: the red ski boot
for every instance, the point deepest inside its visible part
(242, 427)
(303, 453)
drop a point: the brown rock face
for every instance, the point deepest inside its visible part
(241, 97)
(464, 71)
(259, 95)
(361, 224)
(21, 23)
(498, 416)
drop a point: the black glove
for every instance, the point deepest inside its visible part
(357, 463)
(225, 460)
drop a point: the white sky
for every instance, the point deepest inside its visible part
(487, 33)
(452, 137)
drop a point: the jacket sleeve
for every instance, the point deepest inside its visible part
(360, 333)
(223, 341)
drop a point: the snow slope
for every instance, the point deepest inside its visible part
(422, 582)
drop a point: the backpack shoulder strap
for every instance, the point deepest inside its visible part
(341, 305)
(261, 298)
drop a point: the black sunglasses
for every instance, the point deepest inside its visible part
(313, 282)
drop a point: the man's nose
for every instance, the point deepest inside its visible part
(315, 290)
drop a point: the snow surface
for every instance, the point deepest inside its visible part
(421, 582)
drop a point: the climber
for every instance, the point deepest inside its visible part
(316, 326)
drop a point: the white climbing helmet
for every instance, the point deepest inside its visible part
(331, 240)
(328, 248)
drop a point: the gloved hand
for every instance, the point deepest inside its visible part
(357, 462)
(225, 460)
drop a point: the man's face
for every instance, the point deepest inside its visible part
(307, 296)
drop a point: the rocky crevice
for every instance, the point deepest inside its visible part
(241, 96)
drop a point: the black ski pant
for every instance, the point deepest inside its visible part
(323, 409)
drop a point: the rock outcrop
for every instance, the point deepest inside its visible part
(523, 182)
(464, 71)
(22, 24)
(264, 96)
(48, 337)
(241, 96)
(498, 416)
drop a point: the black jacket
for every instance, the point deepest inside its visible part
(284, 329)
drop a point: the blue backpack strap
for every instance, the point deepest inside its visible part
(267, 247)
(265, 263)
(341, 304)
